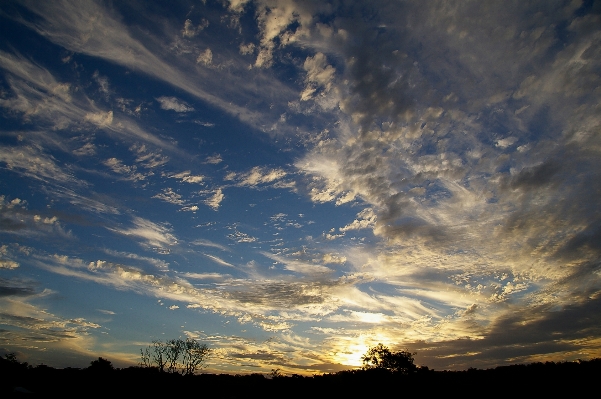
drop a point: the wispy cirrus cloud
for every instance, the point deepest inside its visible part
(151, 234)
(68, 24)
(129, 172)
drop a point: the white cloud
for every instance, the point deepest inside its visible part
(319, 74)
(298, 266)
(8, 264)
(506, 142)
(148, 158)
(205, 276)
(39, 96)
(205, 58)
(215, 200)
(190, 30)
(76, 27)
(174, 104)
(188, 177)
(257, 176)
(365, 219)
(246, 49)
(158, 263)
(103, 83)
(170, 196)
(88, 149)
(35, 164)
(130, 172)
(333, 259)
(152, 234)
(241, 237)
(100, 118)
(214, 159)
(218, 260)
(207, 243)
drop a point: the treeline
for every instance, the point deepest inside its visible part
(550, 378)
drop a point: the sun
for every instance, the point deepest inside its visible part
(351, 355)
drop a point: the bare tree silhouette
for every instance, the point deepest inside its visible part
(175, 356)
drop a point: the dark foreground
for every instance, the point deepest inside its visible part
(533, 380)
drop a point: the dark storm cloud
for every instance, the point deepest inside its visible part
(520, 337)
(15, 288)
(589, 238)
(8, 224)
(536, 176)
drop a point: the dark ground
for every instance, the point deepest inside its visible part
(532, 380)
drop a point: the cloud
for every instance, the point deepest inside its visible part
(103, 83)
(333, 259)
(8, 264)
(76, 27)
(15, 288)
(246, 49)
(257, 176)
(319, 74)
(151, 234)
(33, 163)
(100, 119)
(207, 243)
(190, 30)
(461, 141)
(168, 195)
(174, 104)
(206, 276)
(251, 301)
(29, 325)
(300, 267)
(215, 200)
(205, 124)
(158, 263)
(38, 96)
(365, 219)
(218, 260)
(214, 159)
(521, 338)
(241, 237)
(148, 158)
(15, 219)
(205, 58)
(87, 149)
(130, 172)
(187, 177)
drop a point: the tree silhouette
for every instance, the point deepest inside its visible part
(175, 355)
(194, 355)
(154, 355)
(101, 365)
(380, 357)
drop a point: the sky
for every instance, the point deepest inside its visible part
(292, 182)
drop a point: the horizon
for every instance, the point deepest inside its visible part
(292, 182)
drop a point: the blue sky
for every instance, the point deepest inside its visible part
(292, 182)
